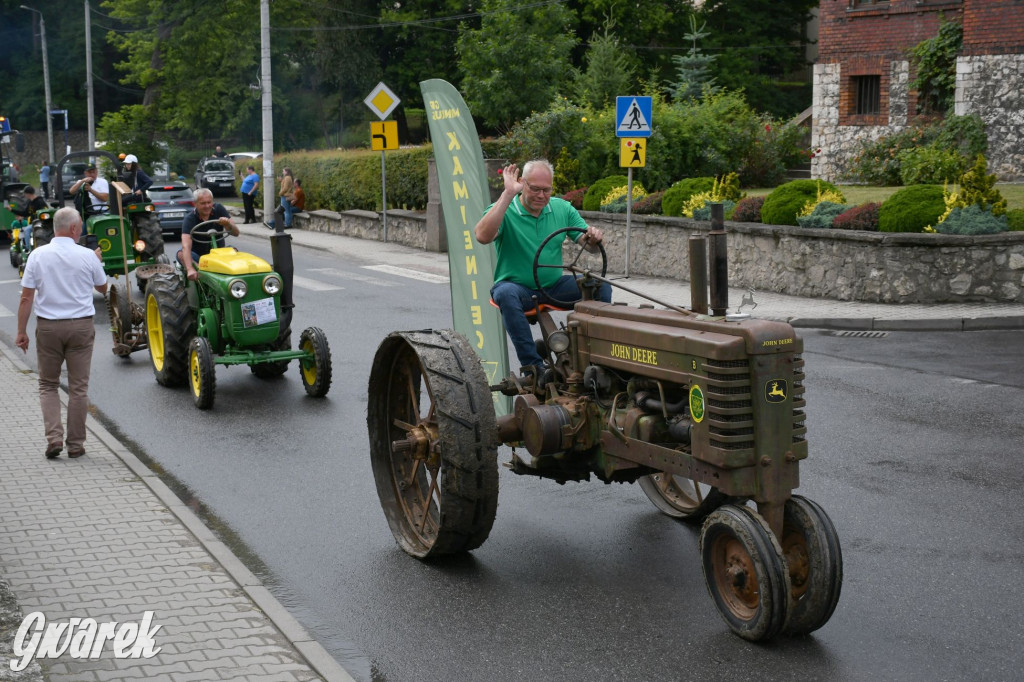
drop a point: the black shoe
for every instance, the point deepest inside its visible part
(76, 455)
(53, 451)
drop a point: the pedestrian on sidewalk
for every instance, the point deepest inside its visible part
(250, 185)
(299, 196)
(44, 179)
(286, 194)
(64, 275)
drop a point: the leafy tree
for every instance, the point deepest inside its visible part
(517, 61)
(935, 62)
(694, 68)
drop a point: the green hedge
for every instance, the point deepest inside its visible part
(785, 201)
(911, 209)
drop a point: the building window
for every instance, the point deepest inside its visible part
(854, 4)
(868, 89)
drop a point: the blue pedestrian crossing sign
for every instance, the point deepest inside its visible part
(633, 116)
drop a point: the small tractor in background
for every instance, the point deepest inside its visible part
(705, 412)
(239, 312)
(10, 191)
(128, 235)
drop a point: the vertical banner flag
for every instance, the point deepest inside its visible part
(462, 177)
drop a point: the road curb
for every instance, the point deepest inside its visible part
(317, 657)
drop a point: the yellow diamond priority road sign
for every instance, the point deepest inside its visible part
(382, 101)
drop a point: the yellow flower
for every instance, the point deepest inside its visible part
(583, 120)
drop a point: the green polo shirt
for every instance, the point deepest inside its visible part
(520, 236)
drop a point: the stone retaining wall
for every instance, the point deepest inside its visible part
(836, 264)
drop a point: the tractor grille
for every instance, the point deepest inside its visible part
(730, 408)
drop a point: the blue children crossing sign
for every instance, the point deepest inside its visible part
(633, 116)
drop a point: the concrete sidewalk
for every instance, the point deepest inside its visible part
(102, 537)
(800, 312)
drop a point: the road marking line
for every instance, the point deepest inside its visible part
(411, 274)
(313, 285)
(355, 276)
(4, 312)
(10, 281)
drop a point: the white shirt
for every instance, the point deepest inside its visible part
(101, 186)
(63, 275)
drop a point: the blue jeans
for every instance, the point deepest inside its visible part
(513, 299)
(288, 210)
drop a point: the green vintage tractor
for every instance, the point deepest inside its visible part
(705, 411)
(26, 236)
(238, 313)
(128, 234)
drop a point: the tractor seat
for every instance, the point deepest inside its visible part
(531, 314)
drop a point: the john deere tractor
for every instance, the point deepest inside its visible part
(704, 411)
(238, 313)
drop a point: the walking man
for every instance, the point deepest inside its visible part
(250, 185)
(59, 280)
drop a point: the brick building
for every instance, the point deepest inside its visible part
(863, 74)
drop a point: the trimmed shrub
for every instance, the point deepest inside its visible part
(972, 220)
(911, 209)
(822, 215)
(1015, 219)
(575, 197)
(748, 210)
(978, 187)
(786, 201)
(863, 217)
(679, 193)
(651, 204)
(599, 190)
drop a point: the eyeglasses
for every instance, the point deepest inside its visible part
(538, 190)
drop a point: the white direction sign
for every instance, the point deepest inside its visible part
(633, 116)
(382, 101)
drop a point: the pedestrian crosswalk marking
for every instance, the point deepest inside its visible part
(411, 274)
(314, 285)
(4, 312)
(355, 276)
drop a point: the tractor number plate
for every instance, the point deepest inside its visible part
(258, 312)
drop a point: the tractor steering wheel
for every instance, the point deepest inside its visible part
(208, 235)
(571, 267)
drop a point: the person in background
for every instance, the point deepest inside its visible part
(58, 283)
(219, 153)
(299, 196)
(250, 185)
(44, 179)
(286, 194)
(136, 179)
(35, 204)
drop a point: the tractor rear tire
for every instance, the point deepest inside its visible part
(148, 228)
(15, 257)
(170, 325)
(682, 498)
(433, 442)
(316, 374)
(202, 373)
(140, 282)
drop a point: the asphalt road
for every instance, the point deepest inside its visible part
(915, 454)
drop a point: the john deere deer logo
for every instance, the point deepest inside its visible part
(775, 390)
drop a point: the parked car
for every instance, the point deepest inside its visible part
(71, 173)
(245, 156)
(216, 175)
(172, 202)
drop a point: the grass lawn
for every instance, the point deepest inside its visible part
(861, 194)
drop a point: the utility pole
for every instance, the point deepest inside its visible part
(46, 80)
(88, 77)
(267, 102)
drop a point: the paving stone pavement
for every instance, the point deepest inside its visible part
(102, 537)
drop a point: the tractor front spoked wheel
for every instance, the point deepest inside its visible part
(316, 372)
(119, 307)
(815, 561)
(680, 497)
(202, 376)
(433, 442)
(745, 572)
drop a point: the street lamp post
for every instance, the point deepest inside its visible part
(46, 80)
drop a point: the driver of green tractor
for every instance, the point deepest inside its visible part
(518, 222)
(132, 175)
(97, 188)
(192, 249)
(35, 203)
